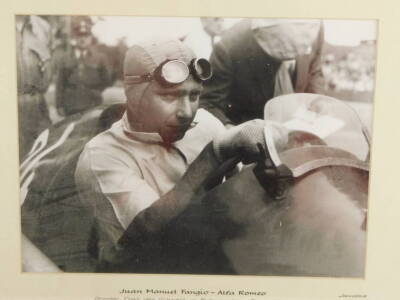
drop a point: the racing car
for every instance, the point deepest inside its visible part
(300, 211)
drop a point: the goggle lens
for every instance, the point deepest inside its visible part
(202, 69)
(174, 72)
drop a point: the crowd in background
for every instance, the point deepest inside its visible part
(349, 71)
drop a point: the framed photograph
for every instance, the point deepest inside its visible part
(193, 152)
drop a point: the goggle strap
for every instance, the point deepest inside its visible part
(135, 79)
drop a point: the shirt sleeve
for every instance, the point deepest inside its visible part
(103, 177)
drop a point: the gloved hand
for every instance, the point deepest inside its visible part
(241, 141)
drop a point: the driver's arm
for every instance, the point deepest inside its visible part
(240, 141)
(140, 212)
(149, 221)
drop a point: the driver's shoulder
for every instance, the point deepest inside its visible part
(104, 142)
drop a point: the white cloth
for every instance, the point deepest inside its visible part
(284, 78)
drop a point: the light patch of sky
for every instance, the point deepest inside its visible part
(110, 29)
(350, 32)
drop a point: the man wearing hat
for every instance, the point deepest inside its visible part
(258, 59)
(149, 166)
(83, 73)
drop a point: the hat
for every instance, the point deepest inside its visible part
(143, 58)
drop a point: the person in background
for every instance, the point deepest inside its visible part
(258, 59)
(33, 41)
(205, 34)
(213, 26)
(82, 73)
(33, 37)
(139, 175)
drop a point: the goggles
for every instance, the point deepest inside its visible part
(174, 72)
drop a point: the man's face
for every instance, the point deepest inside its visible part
(213, 26)
(169, 111)
(83, 41)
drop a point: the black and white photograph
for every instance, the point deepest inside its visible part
(195, 145)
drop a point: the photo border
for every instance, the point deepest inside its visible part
(381, 280)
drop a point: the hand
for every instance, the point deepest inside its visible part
(241, 141)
